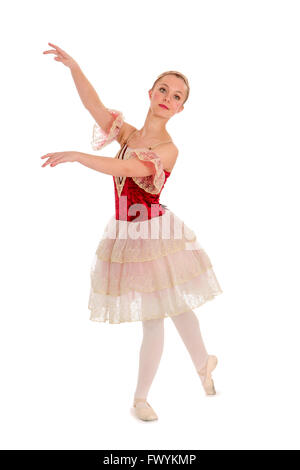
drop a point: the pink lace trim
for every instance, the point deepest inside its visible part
(100, 138)
(152, 183)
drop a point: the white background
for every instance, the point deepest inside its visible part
(68, 382)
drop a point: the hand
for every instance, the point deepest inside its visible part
(62, 56)
(60, 157)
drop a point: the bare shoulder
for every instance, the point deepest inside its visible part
(168, 154)
(125, 132)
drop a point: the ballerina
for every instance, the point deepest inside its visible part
(148, 264)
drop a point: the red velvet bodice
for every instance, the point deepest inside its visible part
(136, 195)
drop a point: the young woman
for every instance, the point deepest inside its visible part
(148, 264)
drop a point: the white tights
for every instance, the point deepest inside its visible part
(188, 327)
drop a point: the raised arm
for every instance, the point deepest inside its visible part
(90, 98)
(87, 93)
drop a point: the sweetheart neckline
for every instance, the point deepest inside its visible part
(146, 148)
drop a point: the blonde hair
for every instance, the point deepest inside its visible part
(177, 74)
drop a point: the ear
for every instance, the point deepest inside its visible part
(150, 93)
(180, 109)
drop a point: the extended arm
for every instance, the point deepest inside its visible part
(114, 166)
(140, 164)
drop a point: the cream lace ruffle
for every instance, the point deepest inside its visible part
(100, 138)
(142, 306)
(148, 276)
(152, 183)
(143, 278)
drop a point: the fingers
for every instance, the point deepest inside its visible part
(61, 51)
(51, 159)
(46, 163)
(54, 158)
(53, 52)
(49, 162)
(58, 55)
(47, 155)
(50, 52)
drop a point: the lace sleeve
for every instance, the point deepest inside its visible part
(100, 138)
(152, 183)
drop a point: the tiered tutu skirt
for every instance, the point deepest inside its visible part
(149, 269)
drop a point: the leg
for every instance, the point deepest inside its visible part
(188, 327)
(150, 355)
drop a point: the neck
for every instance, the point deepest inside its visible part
(154, 127)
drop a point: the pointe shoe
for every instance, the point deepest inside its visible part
(205, 375)
(146, 413)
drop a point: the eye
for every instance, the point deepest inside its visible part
(163, 88)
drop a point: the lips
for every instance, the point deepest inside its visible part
(163, 106)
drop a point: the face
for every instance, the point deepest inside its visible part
(170, 91)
